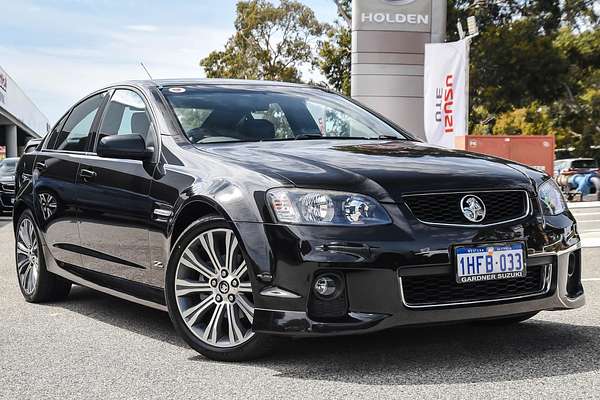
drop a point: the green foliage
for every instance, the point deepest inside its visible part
(512, 67)
(271, 42)
(335, 52)
(335, 58)
(532, 120)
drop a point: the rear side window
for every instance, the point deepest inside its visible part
(126, 115)
(55, 132)
(75, 133)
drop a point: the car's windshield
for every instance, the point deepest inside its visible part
(7, 167)
(584, 164)
(217, 113)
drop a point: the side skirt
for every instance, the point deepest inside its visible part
(135, 292)
(136, 289)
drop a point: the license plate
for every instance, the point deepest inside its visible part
(490, 262)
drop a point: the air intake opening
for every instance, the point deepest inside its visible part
(574, 286)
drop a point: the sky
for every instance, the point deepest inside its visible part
(59, 50)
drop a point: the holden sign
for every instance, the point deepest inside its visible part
(411, 15)
(388, 46)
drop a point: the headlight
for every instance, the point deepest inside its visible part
(551, 198)
(315, 207)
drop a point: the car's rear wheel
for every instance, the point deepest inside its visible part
(209, 293)
(36, 283)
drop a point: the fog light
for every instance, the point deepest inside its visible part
(325, 286)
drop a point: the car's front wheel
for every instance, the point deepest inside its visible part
(209, 293)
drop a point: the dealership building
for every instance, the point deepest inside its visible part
(20, 119)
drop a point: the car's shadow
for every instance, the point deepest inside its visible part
(429, 355)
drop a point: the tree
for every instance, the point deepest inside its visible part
(344, 8)
(271, 42)
(335, 52)
(513, 66)
(535, 69)
(335, 55)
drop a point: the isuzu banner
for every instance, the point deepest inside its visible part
(446, 91)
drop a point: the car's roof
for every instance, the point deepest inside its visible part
(203, 81)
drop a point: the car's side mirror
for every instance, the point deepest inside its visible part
(129, 147)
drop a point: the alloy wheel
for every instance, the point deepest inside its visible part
(28, 261)
(213, 289)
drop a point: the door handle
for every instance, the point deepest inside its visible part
(87, 174)
(40, 166)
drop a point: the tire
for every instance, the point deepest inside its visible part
(36, 283)
(512, 320)
(208, 287)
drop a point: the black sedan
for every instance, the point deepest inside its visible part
(250, 210)
(7, 184)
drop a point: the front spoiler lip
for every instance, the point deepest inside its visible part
(297, 323)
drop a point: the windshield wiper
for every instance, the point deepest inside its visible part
(309, 136)
(390, 137)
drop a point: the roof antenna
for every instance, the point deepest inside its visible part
(146, 69)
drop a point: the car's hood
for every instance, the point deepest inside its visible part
(376, 168)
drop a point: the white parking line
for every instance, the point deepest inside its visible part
(591, 280)
(585, 214)
(587, 204)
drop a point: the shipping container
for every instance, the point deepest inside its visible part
(535, 151)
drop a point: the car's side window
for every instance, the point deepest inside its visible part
(75, 132)
(125, 115)
(54, 133)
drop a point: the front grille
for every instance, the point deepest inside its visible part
(438, 290)
(445, 208)
(7, 187)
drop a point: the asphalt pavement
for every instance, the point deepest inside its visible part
(95, 346)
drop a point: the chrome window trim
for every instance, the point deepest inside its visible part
(545, 290)
(85, 153)
(525, 215)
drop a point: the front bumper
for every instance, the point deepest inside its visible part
(373, 261)
(557, 297)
